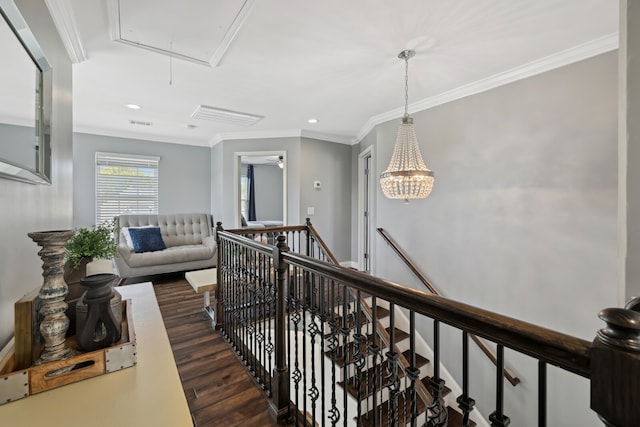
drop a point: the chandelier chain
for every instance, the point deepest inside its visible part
(406, 86)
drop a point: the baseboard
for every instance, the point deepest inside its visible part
(349, 264)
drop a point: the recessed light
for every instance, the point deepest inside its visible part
(313, 121)
(133, 106)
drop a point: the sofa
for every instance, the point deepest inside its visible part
(183, 242)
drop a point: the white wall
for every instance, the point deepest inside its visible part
(522, 218)
(26, 207)
(184, 174)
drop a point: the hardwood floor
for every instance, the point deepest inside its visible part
(219, 390)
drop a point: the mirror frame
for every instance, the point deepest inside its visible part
(42, 172)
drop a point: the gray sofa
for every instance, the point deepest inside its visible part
(189, 239)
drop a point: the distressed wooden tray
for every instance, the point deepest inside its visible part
(18, 384)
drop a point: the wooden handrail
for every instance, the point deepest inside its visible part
(321, 242)
(513, 380)
(562, 350)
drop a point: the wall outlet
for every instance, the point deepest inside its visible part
(311, 210)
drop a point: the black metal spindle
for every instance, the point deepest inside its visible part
(374, 350)
(437, 412)
(542, 394)
(497, 418)
(344, 331)
(413, 373)
(465, 403)
(359, 341)
(392, 378)
(334, 413)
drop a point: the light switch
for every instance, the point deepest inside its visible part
(311, 210)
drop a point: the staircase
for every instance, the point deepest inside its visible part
(375, 373)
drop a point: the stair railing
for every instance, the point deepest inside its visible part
(277, 322)
(486, 350)
(385, 339)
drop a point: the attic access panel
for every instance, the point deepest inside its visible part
(199, 31)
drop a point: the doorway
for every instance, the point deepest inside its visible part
(266, 172)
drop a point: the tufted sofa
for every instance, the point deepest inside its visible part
(189, 239)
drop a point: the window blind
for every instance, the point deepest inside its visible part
(125, 184)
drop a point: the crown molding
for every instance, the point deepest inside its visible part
(286, 133)
(548, 63)
(65, 22)
(143, 137)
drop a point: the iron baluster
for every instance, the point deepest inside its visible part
(437, 413)
(497, 418)
(374, 350)
(413, 373)
(358, 356)
(465, 403)
(392, 378)
(542, 394)
(334, 413)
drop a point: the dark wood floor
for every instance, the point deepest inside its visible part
(218, 388)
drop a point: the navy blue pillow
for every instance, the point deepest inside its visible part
(146, 239)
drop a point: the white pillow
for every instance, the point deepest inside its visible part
(127, 236)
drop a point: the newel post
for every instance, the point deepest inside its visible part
(218, 291)
(615, 367)
(279, 405)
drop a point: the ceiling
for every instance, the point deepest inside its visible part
(284, 62)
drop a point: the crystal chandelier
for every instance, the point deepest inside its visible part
(406, 177)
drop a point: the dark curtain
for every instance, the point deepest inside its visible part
(251, 199)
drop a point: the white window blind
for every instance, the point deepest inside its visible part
(125, 184)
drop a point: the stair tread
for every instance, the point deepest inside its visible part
(381, 313)
(383, 412)
(420, 360)
(400, 335)
(455, 418)
(368, 377)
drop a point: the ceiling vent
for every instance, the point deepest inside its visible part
(139, 123)
(225, 116)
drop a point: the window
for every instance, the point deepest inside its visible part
(125, 183)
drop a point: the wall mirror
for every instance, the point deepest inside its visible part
(25, 101)
(266, 172)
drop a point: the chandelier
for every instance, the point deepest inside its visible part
(406, 177)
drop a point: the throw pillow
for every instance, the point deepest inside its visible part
(243, 221)
(147, 239)
(127, 236)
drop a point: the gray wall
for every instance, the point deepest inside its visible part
(330, 164)
(306, 161)
(26, 207)
(10, 149)
(223, 158)
(522, 218)
(184, 174)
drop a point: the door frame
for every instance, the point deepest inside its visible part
(367, 152)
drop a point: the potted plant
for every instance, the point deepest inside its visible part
(87, 245)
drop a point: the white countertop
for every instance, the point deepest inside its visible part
(148, 394)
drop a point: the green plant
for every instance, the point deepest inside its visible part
(98, 242)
